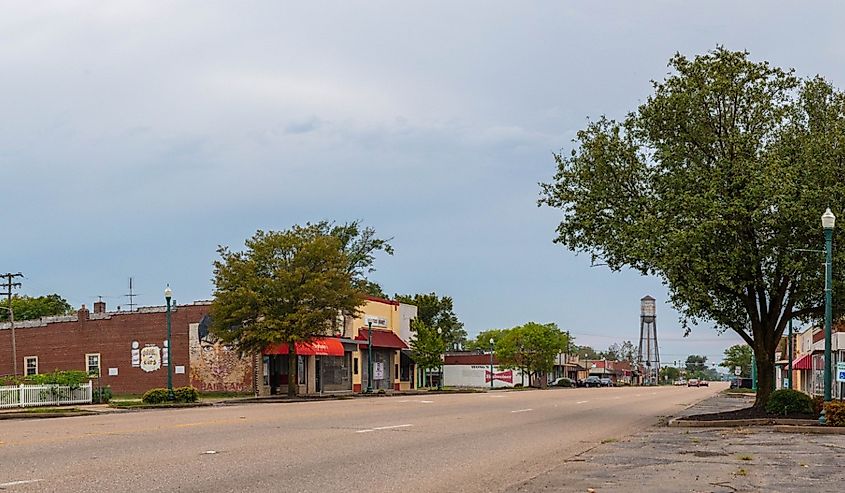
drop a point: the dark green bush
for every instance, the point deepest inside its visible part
(155, 396)
(834, 413)
(186, 394)
(102, 395)
(71, 378)
(786, 401)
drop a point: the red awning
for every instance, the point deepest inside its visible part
(382, 339)
(803, 362)
(316, 347)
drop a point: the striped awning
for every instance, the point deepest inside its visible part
(803, 362)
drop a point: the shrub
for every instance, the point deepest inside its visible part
(102, 395)
(786, 401)
(834, 413)
(72, 378)
(818, 404)
(155, 396)
(186, 394)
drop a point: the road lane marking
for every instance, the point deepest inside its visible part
(15, 483)
(382, 428)
(581, 402)
(426, 402)
(522, 410)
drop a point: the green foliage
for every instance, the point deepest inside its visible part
(587, 352)
(439, 313)
(834, 412)
(155, 396)
(428, 346)
(186, 394)
(285, 287)
(713, 184)
(482, 340)
(786, 401)
(102, 395)
(696, 365)
(620, 352)
(668, 374)
(738, 356)
(70, 378)
(31, 308)
(531, 348)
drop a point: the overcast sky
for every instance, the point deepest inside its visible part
(135, 137)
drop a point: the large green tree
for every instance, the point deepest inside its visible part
(33, 307)
(439, 313)
(714, 184)
(531, 348)
(360, 244)
(482, 340)
(285, 287)
(738, 356)
(696, 365)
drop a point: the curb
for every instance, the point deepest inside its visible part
(735, 423)
(28, 415)
(816, 430)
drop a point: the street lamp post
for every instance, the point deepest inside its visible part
(491, 363)
(789, 356)
(828, 221)
(370, 357)
(168, 294)
(14, 344)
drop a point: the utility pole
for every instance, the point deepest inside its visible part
(9, 285)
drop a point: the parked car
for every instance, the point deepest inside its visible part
(606, 382)
(592, 381)
(562, 382)
(703, 383)
(741, 383)
(692, 382)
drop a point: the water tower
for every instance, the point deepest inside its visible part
(648, 356)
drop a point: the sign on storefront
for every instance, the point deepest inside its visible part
(840, 372)
(376, 321)
(378, 371)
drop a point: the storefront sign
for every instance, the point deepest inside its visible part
(136, 355)
(376, 321)
(378, 371)
(150, 358)
(112, 372)
(502, 376)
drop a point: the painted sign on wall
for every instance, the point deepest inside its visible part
(150, 358)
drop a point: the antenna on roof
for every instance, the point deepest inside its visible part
(131, 296)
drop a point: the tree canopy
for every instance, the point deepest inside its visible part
(531, 348)
(285, 287)
(360, 244)
(714, 184)
(439, 313)
(427, 346)
(33, 307)
(738, 356)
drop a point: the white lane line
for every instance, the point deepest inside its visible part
(522, 410)
(426, 402)
(495, 396)
(617, 397)
(15, 483)
(382, 428)
(581, 402)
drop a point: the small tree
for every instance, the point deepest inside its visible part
(439, 313)
(427, 347)
(33, 307)
(669, 374)
(482, 340)
(738, 356)
(286, 287)
(696, 365)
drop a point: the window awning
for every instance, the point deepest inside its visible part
(803, 362)
(325, 346)
(382, 339)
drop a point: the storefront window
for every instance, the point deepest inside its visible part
(336, 373)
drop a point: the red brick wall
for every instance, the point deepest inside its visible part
(63, 346)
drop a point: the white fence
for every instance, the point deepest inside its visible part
(44, 395)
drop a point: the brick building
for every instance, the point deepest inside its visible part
(128, 349)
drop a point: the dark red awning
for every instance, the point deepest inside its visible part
(316, 347)
(803, 362)
(382, 339)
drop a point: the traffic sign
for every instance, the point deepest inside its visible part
(737, 371)
(840, 372)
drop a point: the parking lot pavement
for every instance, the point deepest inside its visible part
(663, 459)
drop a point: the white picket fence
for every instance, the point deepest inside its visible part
(44, 395)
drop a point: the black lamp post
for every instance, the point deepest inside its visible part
(491, 363)
(168, 294)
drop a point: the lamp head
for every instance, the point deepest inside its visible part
(491, 341)
(168, 293)
(828, 219)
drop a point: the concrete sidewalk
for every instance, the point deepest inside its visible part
(663, 459)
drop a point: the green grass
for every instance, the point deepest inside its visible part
(49, 410)
(739, 391)
(742, 472)
(745, 457)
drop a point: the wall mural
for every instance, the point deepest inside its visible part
(217, 367)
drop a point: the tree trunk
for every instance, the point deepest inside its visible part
(293, 377)
(765, 358)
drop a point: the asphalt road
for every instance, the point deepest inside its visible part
(449, 442)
